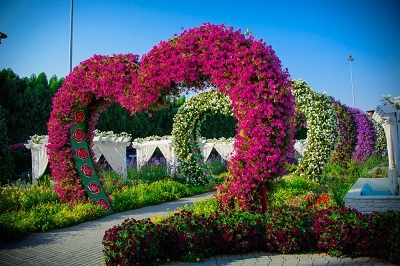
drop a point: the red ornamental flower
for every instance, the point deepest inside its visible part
(79, 135)
(94, 187)
(79, 116)
(87, 170)
(82, 153)
(103, 204)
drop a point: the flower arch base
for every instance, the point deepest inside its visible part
(84, 163)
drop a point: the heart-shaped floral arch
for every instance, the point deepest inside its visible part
(246, 70)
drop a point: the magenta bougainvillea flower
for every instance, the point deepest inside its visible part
(366, 136)
(347, 134)
(246, 70)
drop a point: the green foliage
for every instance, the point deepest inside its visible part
(44, 217)
(15, 198)
(27, 104)
(44, 181)
(26, 210)
(31, 208)
(142, 124)
(7, 162)
(149, 173)
(144, 194)
(217, 126)
(292, 191)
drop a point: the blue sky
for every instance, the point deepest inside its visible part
(312, 38)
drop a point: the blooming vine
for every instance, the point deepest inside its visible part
(186, 132)
(347, 134)
(381, 144)
(322, 135)
(366, 136)
(248, 71)
(92, 85)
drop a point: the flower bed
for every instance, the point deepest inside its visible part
(186, 236)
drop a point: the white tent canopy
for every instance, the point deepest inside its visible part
(224, 149)
(115, 154)
(114, 151)
(40, 158)
(145, 150)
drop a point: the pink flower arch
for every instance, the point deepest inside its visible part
(248, 71)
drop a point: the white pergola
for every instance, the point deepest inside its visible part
(388, 117)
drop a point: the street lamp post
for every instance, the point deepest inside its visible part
(70, 35)
(351, 59)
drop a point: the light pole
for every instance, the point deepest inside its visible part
(70, 35)
(351, 59)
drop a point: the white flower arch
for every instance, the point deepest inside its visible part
(186, 132)
(322, 133)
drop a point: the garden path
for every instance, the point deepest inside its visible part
(82, 245)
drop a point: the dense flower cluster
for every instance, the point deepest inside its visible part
(96, 82)
(251, 75)
(366, 136)
(186, 132)
(186, 236)
(322, 134)
(347, 134)
(248, 71)
(394, 101)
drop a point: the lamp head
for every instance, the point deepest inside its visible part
(2, 36)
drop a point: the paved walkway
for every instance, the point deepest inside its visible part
(81, 245)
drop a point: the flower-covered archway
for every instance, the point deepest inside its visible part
(366, 136)
(248, 71)
(347, 129)
(322, 134)
(186, 132)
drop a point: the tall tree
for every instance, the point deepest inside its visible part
(7, 162)
(11, 98)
